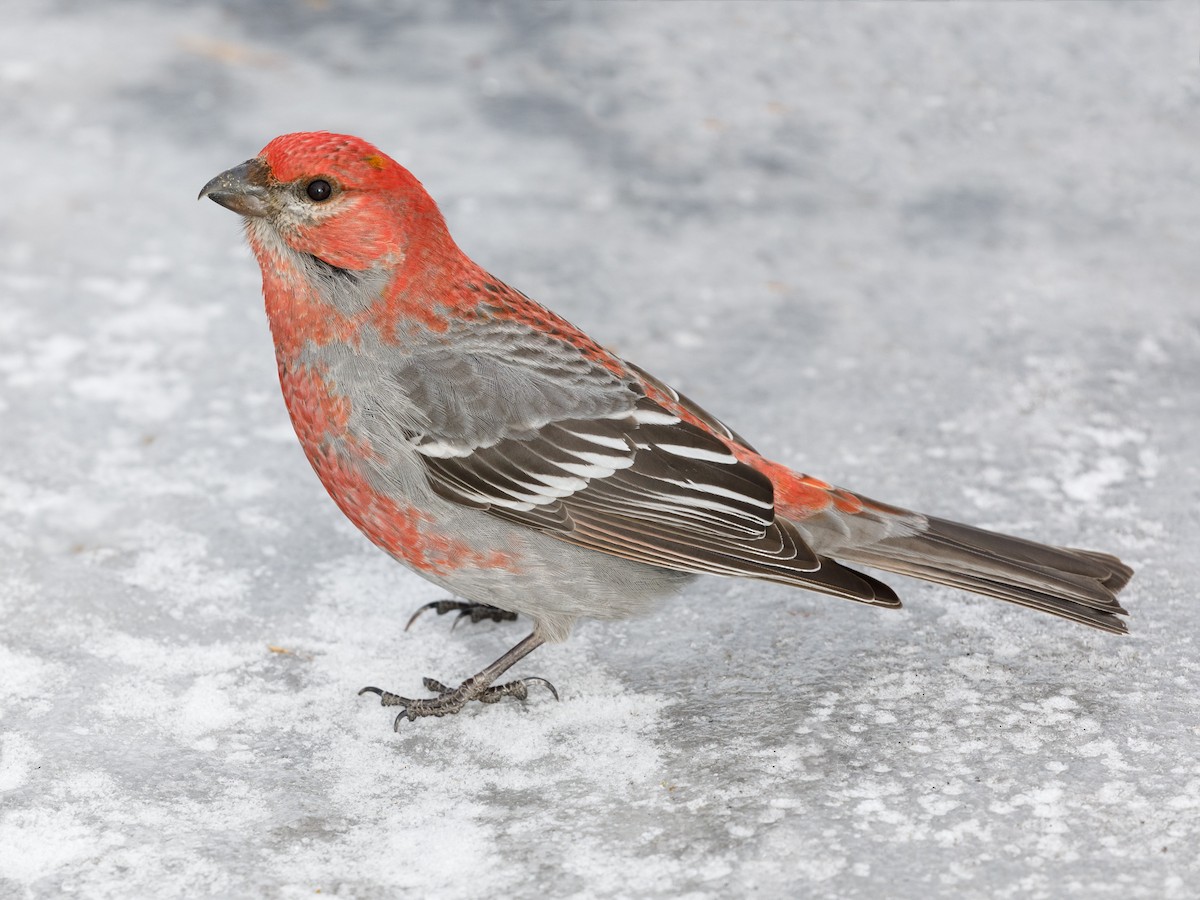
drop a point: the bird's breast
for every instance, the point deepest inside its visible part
(379, 489)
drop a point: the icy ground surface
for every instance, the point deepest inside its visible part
(942, 254)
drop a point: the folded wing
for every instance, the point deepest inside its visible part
(630, 478)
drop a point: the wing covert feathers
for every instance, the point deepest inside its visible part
(648, 487)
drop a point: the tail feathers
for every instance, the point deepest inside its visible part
(1119, 573)
(1080, 585)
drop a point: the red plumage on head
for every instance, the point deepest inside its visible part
(384, 211)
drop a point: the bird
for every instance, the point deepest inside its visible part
(497, 450)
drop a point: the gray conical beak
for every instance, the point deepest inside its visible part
(242, 188)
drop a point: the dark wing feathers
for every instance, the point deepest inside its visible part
(645, 486)
(715, 425)
(514, 422)
(556, 442)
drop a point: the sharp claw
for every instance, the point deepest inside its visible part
(479, 687)
(417, 614)
(543, 681)
(474, 611)
(386, 698)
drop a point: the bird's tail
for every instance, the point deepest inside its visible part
(1081, 585)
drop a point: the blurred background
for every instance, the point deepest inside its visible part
(943, 254)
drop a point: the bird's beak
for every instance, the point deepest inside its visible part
(242, 189)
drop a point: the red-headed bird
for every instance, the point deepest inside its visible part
(503, 454)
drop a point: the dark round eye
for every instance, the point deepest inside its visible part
(318, 190)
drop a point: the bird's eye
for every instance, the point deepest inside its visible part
(318, 190)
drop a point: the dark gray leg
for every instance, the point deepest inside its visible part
(476, 612)
(478, 687)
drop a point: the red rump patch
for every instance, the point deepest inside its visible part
(320, 417)
(797, 496)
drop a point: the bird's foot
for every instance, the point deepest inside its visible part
(476, 612)
(449, 701)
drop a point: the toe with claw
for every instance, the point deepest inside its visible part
(476, 612)
(482, 687)
(448, 700)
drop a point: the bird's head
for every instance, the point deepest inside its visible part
(332, 196)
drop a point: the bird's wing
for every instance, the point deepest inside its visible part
(535, 433)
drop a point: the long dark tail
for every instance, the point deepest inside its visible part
(1080, 585)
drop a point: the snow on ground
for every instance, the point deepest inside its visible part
(943, 254)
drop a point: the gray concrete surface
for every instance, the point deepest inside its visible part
(944, 254)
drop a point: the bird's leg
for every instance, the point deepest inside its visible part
(476, 612)
(478, 687)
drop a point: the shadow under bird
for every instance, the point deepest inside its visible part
(503, 454)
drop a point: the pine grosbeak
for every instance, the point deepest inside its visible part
(500, 452)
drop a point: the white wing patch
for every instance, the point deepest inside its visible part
(625, 481)
(701, 453)
(443, 450)
(654, 416)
